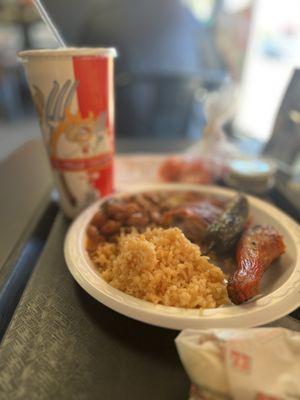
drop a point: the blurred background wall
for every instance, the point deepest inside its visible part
(171, 53)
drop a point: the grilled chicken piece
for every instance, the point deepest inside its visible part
(257, 248)
(193, 218)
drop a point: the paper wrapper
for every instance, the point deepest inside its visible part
(250, 364)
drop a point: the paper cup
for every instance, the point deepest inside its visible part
(73, 93)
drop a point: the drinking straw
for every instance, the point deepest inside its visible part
(48, 21)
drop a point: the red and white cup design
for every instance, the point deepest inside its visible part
(73, 92)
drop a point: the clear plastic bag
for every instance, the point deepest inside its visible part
(205, 162)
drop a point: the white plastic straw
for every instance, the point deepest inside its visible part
(46, 18)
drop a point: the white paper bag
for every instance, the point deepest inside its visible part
(246, 364)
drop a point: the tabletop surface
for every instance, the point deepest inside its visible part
(61, 343)
(25, 182)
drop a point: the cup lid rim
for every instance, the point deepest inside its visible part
(70, 51)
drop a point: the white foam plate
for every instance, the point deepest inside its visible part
(279, 291)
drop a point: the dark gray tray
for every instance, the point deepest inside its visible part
(62, 344)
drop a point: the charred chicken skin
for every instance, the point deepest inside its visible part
(225, 231)
(258, 247)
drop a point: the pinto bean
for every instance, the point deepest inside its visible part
(120, 216)
(143, 202)
(155, 216)
(138, 219)
(94, 238)
(92, 232)
(131, 208)
(111, 227)
(153, 197)
(98, 219)
(112, 207)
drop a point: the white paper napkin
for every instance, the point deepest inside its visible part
(249, 364)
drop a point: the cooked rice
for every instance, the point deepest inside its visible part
(163, 267)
